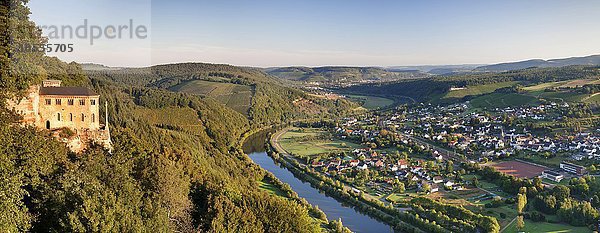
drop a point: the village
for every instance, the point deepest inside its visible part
(425, 150)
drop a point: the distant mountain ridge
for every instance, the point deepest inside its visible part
(342, 74)
(587, 60)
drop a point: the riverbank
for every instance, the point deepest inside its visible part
(401, 221)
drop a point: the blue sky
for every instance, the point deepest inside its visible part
(334, 32)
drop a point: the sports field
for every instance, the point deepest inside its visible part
(518, 169)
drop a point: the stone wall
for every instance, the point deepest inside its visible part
(28, 106)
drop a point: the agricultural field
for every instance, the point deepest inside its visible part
(531, 226)
(235, 96)
(305, 142)
(501, 100)
(570, 83)
(563, 96)
(371, 102)
(185, 119)
(478, 90)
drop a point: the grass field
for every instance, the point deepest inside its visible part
(238, 97)
(295, 143)
(478, 90)
(545, 227)
(570, 83)
(270, 188)
(371, 102)
(500, 100)
(542, 86)
(592, 99)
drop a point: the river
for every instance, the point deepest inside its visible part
(351, 218)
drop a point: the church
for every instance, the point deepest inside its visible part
(59, 109)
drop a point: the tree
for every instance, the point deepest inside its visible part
(520, 222)
(475, 182)
(426, 187)
(561, 192)
(595, 201)
(400, 187)
(449, 166)
(521, 202)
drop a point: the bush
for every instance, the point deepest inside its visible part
(537, 216)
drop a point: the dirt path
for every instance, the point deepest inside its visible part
(504, 228)
(591, 96)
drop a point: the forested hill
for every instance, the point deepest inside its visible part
(174, 167)
(338, 74)
(255, 94)
(588, 60)
(435, 87)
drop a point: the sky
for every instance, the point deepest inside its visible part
(328, 32)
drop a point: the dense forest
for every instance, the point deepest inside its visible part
(175, 165)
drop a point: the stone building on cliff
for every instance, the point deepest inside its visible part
(71, 113)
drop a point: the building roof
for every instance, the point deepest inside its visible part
(552, 173)
(70, 91)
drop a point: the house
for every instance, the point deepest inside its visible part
(434, 188)
(354, 163)
(438, 179)
(362, 166)
(449, 184)
(578, 157)
(317, 164)
(552, 175)
(403, 164)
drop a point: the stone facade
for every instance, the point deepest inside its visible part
(71, 111)
(55, 108)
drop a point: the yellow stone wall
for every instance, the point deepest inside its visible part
(75, 116)
(28, 106)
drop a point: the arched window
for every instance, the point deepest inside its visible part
(93, 118)
(71, 116)
(59, 117)
(82, 117)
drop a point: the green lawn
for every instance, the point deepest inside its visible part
(294, 142)
(371, 102)
(478, 90)
(545, 227)
(270, 188)
(395, 197)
